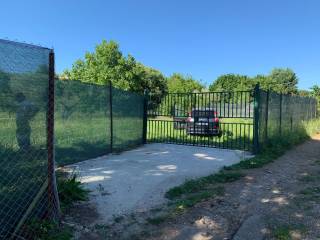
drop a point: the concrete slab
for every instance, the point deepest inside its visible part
(136, 180)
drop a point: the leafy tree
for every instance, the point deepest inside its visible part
(232, 82)
(304, 93)
(279, 80)
(315, 91)
(150, 80)
(177, 83)
(283, 81)
(107, 64)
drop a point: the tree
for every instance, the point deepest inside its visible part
(107, 64)
(304, 93)
(315, 91)
(283, 81)
(177, 83)
(279, 80)
(232, 82)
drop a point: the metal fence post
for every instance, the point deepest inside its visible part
(256, 147)
(145, 117)
(267, 116)
(111, 117)
(280, 116)
(53, 204)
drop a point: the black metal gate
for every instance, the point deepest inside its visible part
(210, 119)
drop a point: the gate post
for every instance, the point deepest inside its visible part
(145, 116)
(256, 147)
(53, 199)
(111, 117)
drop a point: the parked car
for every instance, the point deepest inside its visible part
(203, 121)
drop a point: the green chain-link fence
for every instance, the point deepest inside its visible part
(93, 120)
(26, 173)
(281, 117)
(39, 114)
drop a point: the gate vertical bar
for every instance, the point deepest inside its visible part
(111, 117)
(256, 119)
(53, 199)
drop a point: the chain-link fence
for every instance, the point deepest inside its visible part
(43, 120)
(94, 120)
(282, 116)
(27, 175)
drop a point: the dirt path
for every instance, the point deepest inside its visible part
(279, 201)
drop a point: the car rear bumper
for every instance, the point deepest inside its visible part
(201, 130)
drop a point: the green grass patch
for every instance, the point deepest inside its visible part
(192, 199)
(200, 184)
(159, 219)
(47, 230)
(311, 194)
(285, 232)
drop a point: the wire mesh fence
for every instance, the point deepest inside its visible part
(26, 172)
(93, 120)
(43, 120)
(282, 116)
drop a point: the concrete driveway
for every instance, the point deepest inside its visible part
(136, 180)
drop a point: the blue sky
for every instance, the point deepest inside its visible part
(202, 38)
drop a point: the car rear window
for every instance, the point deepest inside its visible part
(203, 113)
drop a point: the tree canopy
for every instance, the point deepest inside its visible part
(108, 64)
(178, 83)
(279, 80)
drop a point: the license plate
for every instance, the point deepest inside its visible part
(203, 119)
(202, 124)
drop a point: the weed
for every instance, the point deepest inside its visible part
(159, 219)
(285, 232)
(70, 190)
(118, 219)
(47, 230)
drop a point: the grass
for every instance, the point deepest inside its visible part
(237, 134)
(196, 185)
(47, 230)
(287, 232)
(194, 191)
(70, 190)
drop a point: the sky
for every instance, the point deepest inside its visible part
(203, 38)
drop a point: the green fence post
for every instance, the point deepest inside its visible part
(145, 117)
(111, 117)
(256, 147)
(267, 116)
(280, 116)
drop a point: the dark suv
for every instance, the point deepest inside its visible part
(203, 121)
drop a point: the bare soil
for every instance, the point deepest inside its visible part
(278, 201)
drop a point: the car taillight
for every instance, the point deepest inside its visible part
(190, 119)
